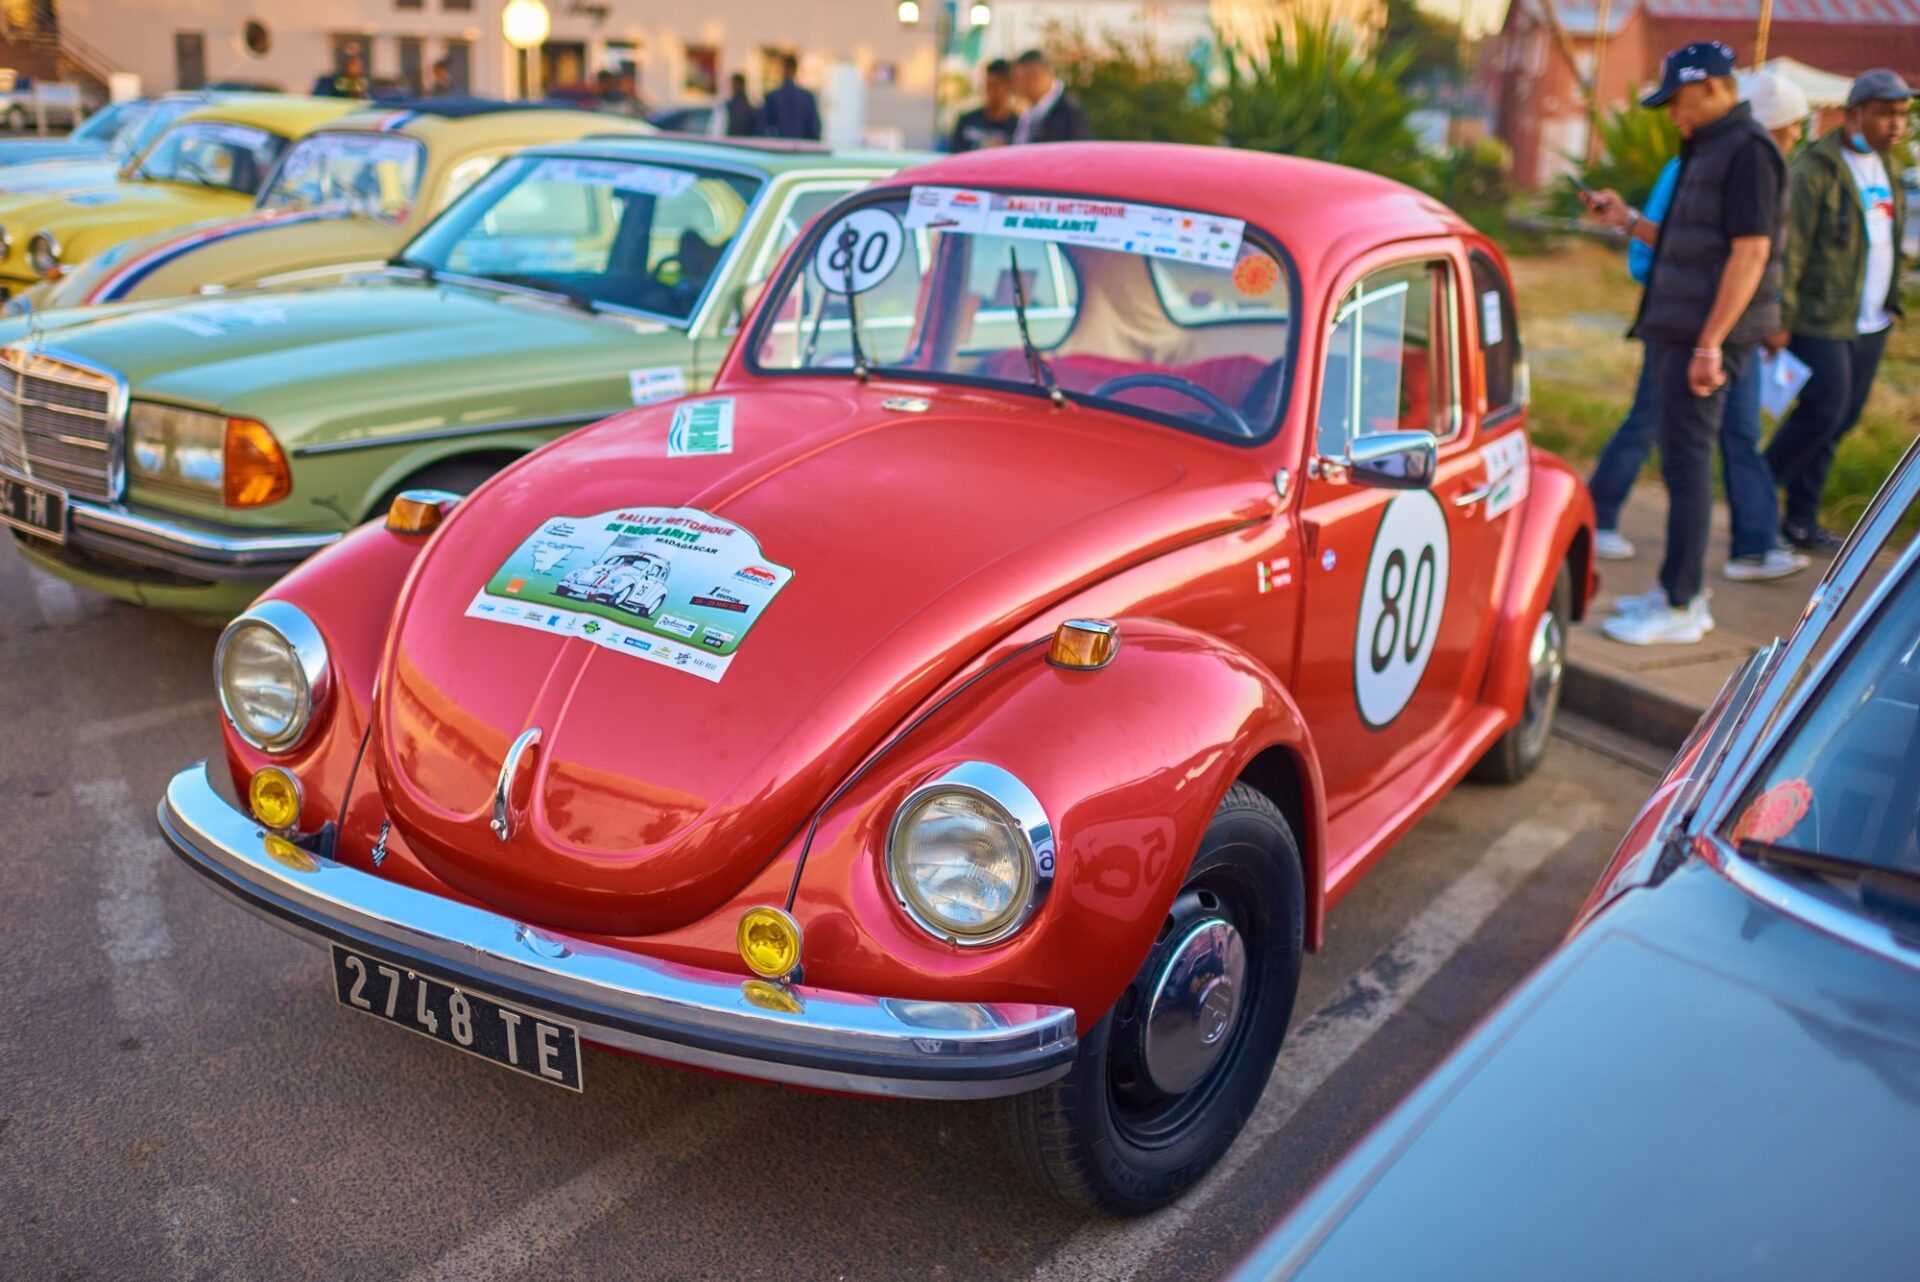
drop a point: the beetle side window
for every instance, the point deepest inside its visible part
(1499, 328)
(1389, 365)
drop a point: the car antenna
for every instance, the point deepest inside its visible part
(1037, 367)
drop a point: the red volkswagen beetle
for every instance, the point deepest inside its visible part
(1089, 559)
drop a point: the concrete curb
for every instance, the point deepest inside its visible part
(1620, 702)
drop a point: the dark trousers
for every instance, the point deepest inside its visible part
(1801, 452)
(1686, 428)
(1748, 481)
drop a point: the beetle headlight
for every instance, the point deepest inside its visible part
(43, 253)
(271, 667)
(970, 855)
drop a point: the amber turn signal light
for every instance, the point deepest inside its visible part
(273, 795)
(257, 471)
(769, 942)
(1084, 644)
(419, 511)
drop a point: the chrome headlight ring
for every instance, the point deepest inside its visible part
(1022, 812)
(43, 252)
(312, 682)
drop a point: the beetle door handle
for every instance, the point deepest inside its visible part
(1467, 498)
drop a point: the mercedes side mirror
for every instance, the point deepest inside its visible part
(1393, 460)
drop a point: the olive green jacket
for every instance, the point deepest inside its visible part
(1827, 243)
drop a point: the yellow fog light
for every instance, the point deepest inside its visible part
(769, 942)
(286, 853)
(274, 795)
(1084, 644)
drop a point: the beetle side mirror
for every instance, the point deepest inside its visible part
(1393, 460)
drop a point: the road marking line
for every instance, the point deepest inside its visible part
(512, 1247)
(59, 604)
(1327, 1039)
(130, 913)
(107, 729)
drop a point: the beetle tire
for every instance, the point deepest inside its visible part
(1519, 752)
(1073, 1138)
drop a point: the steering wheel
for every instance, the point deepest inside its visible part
(1173, 383)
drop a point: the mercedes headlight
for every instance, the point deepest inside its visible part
(271, 665)
(970, 855)
(43, 253)
(179, 449)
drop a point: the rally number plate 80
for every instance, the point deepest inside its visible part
(538, 1047)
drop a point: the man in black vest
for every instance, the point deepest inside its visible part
(1712, 295)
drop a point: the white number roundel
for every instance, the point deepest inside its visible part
(1401, 605)
(859, 251)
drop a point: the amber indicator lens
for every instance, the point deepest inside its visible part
(256, 471)
(1084, 644)
(769, 942)
(274, 795)
(412, 515)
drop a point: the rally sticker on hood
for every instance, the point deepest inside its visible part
(671, 585)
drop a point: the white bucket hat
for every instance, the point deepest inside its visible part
(1777, 101)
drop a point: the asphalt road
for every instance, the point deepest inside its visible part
(181, 1097)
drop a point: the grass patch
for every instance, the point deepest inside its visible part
(1576, 301)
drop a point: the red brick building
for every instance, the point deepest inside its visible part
(1538, 108)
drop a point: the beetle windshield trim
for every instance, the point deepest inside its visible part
(931, 306)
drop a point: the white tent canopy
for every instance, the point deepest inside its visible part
(1823, 88)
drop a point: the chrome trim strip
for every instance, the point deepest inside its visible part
(1003, 790)
(835, 1040)
(451, 433)
(216, 548)
(1843, 924)
(113, 421)
(504, 820)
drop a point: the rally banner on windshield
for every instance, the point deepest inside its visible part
(1122, 226)
(669, 585)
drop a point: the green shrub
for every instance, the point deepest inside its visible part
(1476, 181)
(1132, 90)
(1635, 144)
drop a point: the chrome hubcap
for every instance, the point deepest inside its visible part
(1195, 1004)
(1547, 658)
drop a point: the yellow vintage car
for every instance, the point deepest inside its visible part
(209, 164)
(343, 199)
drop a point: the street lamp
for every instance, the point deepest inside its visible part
(909, 13)
(525, 23)
(981, 14)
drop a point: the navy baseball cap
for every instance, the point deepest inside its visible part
(1689, 64)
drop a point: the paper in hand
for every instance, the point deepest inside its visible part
(1782, 375)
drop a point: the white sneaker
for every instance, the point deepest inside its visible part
(1611, 545)
(1777, 563)
(1656, 599)
(1662, 626)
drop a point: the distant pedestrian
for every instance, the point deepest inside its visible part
(743, 118)
(1755, 551)
(350, 81)
(1051, 115)
(1841, 290)
(992, 123)
(790, 111)
(441, 85)
(1713, 293)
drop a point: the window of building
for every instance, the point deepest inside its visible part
(459, 55)
(457, 6)
(189, 59)
(255, 38)
(703, 70)
(409, 4)
(413, 53)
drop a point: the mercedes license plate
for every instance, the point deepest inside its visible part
(38, 509)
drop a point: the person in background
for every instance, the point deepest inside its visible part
(441, 83)
(350, 81)
(1712, 295)
(790, 111)
(992, 123)
(1782, 110)
(1051, 115)
(1841, 291)
(743, 118)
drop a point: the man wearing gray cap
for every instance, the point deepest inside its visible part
(1841, 291)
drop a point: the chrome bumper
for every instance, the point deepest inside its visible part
(836, 1041)
(185, 547)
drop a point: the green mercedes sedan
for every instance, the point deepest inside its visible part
(182, 454)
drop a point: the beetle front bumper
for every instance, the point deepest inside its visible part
(836, 1041)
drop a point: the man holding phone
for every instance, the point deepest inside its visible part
(1712, 295)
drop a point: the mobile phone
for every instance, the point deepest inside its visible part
(1587, 194)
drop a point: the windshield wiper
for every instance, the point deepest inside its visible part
(577, 298)
(1037, 367)
(427, 271)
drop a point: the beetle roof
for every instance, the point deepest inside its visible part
(1308, 204)
(695, 150)
(283, 114)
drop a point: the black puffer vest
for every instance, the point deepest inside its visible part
(1692, 250)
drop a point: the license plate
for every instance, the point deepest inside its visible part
(531, 1044)
(35, 508)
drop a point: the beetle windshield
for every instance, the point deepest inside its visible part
(1844, 783)
(373, 174)
(1179, 315)
(213, 153)
(648, 237)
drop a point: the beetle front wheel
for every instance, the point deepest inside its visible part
(1166, 1079)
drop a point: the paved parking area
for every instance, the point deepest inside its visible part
(181, 1098)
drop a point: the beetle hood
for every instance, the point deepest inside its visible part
(876, 550)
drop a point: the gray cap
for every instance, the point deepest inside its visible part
(1878, 85)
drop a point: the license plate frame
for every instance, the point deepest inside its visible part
(501, 1033)
(23, 499)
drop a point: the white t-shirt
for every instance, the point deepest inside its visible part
(1876, 201)
(1032, 116)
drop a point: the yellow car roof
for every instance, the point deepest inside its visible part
(464, 121)
(288, 115)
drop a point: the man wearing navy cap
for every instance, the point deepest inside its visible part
(1712, 295)
(1841, 291)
